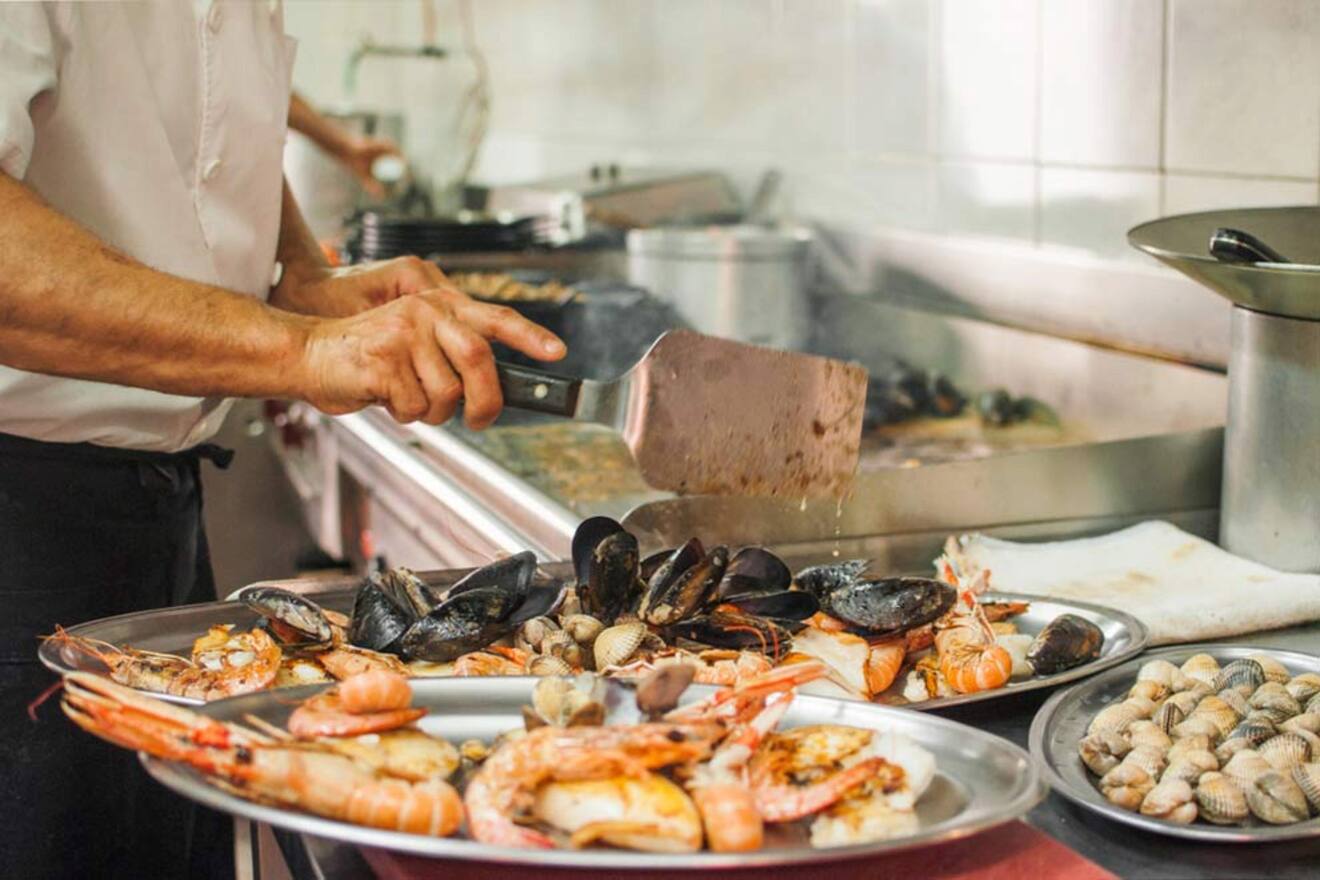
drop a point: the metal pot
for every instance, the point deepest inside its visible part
(747, 283)
(326, 192)
(1270, 508)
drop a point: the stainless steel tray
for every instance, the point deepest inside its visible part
(981, 780)
(1063, 720)
(173, 630)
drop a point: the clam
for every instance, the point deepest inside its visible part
(532, 633)
(1245, 766)
(1197, 724)
(1285, 751)
(617, 644)
(1185, 701)
(583, 628)
(1307, 777)
(1243, 675)
(1189, 766)
(1143, 707)
(1161, 671)
(1150, 690)
(548, 664)
(1220, 800)
(1101, 752)
(1273, 669)
(1114, 718)
(1308, 721)
(1312, 703)
(1187, 744)
(1168, 715)
(1148, 758)
(1235, 699)
(1273, 699)
(1312, 740)
(568, 702)
(1126, 786)
(1172, 801)
(1218, 711)
(1201, 667)
(1275, 798)
(1249, 733)
(1148, 733)
(1303, 686)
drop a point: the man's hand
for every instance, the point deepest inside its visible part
(360, 153)
(418, 356)
(339, 293)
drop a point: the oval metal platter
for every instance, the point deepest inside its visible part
(1063, 719)
(173, 630)
(981, 780)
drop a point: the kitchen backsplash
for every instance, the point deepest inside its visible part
(1055, 123)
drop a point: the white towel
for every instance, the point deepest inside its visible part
(1183, 588)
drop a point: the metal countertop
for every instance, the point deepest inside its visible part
(1125, 851)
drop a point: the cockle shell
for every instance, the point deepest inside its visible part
(1161, 671)
(1190, 765)
(1126, 786)
(1218, 711)
(532, 633)
(1101, 752)
(1185, 701)
(1150, 690)
(1313, 703)
(569, 702)
(1201, 667)
(1273, 699)
(1243, 675)
(1183, 745)
(1275, 798)
(1245, 766)
(1273, 669)
(1144, 707)
(1285, 751)
(548, 664)
(1148, 758)
(1307, 777)
(1167, 716)
(1235, 700)
(1198, 724)
(1172, 801)
(1147, 733)
(1249, 733)
(1308, 721)
(1304, 686)
(615, 645)
(1220, 799)
(583, 628)
(1114, 718)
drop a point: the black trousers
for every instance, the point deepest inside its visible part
(87, 532)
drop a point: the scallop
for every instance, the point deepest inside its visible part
(1245, 766)
(1218, 711)
(1168, 715)
(1273, 669)
(1149, 690)
(1126, 786)
(583, 628)
(1201, 667)
(1190, 765)
(1285, 751)
(1220, 800)
(616, 645)
(1101, 752)
(1186, 744)
(1304, 686)
(1307, 777)
(1161, 671)
(1275, 798)
(1171, 800)
(1113, 719)
(1273, 699)
(1308, 721)
(1243, 675)
(1148, 733)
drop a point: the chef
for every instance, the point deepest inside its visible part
(153, 264)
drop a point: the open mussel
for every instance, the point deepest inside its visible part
(674, 594)
(606, 560)
(295, 619)
(468, 622)
(378, 621)
(822, 580)
(781, 605)
(1066, 641)
(754, 570)
(733, 629)
(889, 604)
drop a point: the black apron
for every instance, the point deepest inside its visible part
(86, 532)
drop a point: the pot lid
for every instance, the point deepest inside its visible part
(1291, 290)
(741, 242)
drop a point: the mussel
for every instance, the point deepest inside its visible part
(753, 570)
(467, 622)
(378, 622)
(889, 604)
(1066, 641)
(822, 580)
(733, 629)
(295, 618)
(675, 594)
(605, 558)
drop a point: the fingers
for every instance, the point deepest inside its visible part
(405, 399)
(470, 354)
(440, 383)
(503, 324)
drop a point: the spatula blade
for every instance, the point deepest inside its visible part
(708, 415)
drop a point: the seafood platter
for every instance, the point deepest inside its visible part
(582, 771)
(1211, 742)
(729, 613)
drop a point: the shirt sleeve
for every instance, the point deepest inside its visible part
(27, 68)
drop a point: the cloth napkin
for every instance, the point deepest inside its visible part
(1184, 588)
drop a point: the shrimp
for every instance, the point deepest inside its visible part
(804, 770)
(494, 660)
(883, 662)
(375, 691)
(297, 775)
(371, 702)
(248, 662)
(970, 659)
(344, 661)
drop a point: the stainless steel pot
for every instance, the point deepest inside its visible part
(1270, 508)
(747, 283)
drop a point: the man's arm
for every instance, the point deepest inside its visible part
(357, 153)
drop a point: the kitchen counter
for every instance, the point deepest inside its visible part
(1125, 851)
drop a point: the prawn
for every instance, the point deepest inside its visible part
(804, 770)
(969, 657)
(370, 702)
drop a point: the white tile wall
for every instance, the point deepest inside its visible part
(1054, 122)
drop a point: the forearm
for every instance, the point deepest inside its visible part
(304, 119)
(72, 306)
(301, 256)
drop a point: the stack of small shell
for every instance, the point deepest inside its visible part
(1222, 744)
(577, 641)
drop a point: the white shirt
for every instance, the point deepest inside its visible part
(159, 127)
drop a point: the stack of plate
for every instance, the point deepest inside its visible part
(381, 236)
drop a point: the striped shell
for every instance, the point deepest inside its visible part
(1220, 799)
(1101, 752)
(616, 644)
(1313, 703)
(1149, 690)
(1218, 711)
(1285, 751)
(1113, 719)
(1273, 699)
(1275, 798)
(1148, 758)
(1185, 745)
(1161, 671)
(1190, 766)
(1168, 715)
(1308, 721)
(583, 628)
(1307, 777)
(1245, 766)
(548, 664)
(1172, 801)
(1201, 667)
(1273, 669)
(1202, 725)
(1303, 687)
(1186, 701)
(1236, 701)
(1148, 733)
(1243, 675)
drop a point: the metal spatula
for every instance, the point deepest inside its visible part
(707, 415)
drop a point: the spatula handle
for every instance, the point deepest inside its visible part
(538, 391)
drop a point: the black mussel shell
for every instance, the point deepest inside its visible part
(407, 590)
(890, 604)
(1066, 641)
(944, 400)
(378, 622)
(543, 599)
(646, 569)
(611, 583)
(468, 622)
(513, 573)
(731, 629)
(590, 532)
(821, 580)
(752, 570)
(673, 566)
(294, 611)
(995, 407)
(784, 604)
(684, 595)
